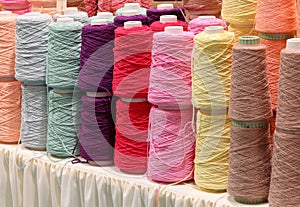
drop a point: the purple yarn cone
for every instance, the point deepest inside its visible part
(154, 14)
(119, 20)
(97, 130)
(97, 58)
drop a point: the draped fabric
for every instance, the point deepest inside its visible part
(31, 179)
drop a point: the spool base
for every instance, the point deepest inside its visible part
(138, 172)
(101, 163)
(246, 201)
(35, 148)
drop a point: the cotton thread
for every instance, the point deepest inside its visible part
(285, 171)
(196, 8)
(288, 95)
(97, 58)
(132, 62)
(7, 45)
(81, 17)
(170, 76)
(212, 59)
(249, 92)
(160, 27)
(154, 14)
(172, 145)
(250, 164)
(273, 64)
(212, 151)
(10, 111)
(34, 117)
(97, 130)
(63, 55)
(131, 147)
(63, 124)
(198, 25)
(120, 20)
(239, 12)
(104, 6)
(31, 47)
(280, 20)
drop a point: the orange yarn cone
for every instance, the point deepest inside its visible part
(276, 16)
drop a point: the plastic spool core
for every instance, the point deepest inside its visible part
(128, 13)
(131, 24)
(174, 29)
(165, 6)
(32, 13)
(71, 11)
(5, 13)
(132, 6)
(134, 100)
(293, 44)
(97, 22)
(214, 30)
(105, 15)
(97, 94)
(249, 40)
(63, 91)
(168, 18)
(65, 20)
(207, 17)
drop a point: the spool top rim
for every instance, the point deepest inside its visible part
(249, 40)
(165, 6)
(167, 18)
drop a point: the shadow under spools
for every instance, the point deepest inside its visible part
(250, 111)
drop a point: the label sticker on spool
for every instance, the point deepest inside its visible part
(276, 36)
(250, 124)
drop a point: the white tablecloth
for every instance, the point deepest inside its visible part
(31, 179)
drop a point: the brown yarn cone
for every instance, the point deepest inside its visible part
(249, 91)
(288, 112)
(250, 166)
(285, 180)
